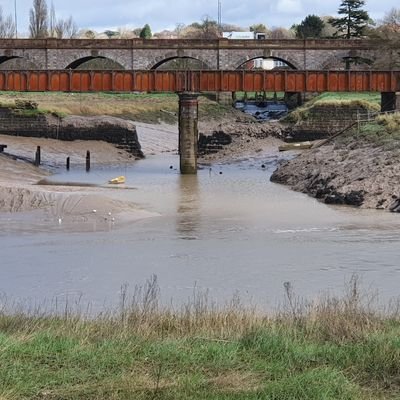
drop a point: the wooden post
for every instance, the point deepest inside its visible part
(37, 156)
(88, 160)
(68, 160)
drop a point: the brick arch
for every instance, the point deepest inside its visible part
(78, 62)
(336, 61)
(291, 61)
(160, 59)
(155, 66)
(71, 57)
(16, 62)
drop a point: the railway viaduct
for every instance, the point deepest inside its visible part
(225, 54)
(50, 64)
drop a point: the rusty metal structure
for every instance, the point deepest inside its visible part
(200, 81)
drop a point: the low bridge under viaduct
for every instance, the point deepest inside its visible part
(188, 84)
(224, 54)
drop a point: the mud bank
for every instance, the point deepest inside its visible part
(74, 208)
(247, 137)
(355, 172)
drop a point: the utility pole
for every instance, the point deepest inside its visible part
(15, 19)
(219, 15)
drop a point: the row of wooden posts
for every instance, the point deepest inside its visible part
(68, 161)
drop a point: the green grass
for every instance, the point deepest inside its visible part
(368, 98)
(140, 107)
(384, 131)
(368, 101)
(333, 349)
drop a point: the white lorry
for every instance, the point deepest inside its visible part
(244, 35)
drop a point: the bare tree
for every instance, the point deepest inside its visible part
(52, 21)
(87, 34)
(179, 27)
(207, 29)
(391, 22)
(388, 31)
(66, 28)
(38, 19)
(281, 33)
(7, 26)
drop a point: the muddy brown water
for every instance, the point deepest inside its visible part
(226, 230)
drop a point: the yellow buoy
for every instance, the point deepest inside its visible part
(118, 179)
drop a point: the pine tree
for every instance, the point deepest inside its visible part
(145, 33)
(354, 21)
(310, 27)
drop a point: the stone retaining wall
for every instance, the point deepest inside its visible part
(320, 122)
(30, 123)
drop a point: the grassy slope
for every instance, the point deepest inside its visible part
(331, 350)
(369, 101)
(150, 108)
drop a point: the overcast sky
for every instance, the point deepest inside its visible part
(165, 14)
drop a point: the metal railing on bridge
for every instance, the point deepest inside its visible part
(200, 81)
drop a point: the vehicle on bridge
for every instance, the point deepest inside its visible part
(244, 35)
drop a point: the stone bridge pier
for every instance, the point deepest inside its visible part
(188, 132)
(390, 101)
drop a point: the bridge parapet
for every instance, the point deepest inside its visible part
(217, 53)
(316, 44)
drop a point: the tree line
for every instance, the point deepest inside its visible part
(353, 21)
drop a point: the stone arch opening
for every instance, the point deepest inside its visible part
(16, 63)
(266, 63)
(180, 63)
(95, 63)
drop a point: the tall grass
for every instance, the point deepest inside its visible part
(334, 348)
(367, 101)
(140, 107)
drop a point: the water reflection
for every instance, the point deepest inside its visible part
(188, 208)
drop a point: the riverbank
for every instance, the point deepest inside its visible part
(360, 168)
(65, 202)
(73, 206)
(335, 349)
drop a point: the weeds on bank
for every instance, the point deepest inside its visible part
(384, 131)
(333, 348)
(141, 107)
(367, 101)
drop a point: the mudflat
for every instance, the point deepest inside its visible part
(23, 187)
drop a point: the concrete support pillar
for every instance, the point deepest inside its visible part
(390, 101)
(225, 98)
(188, 132)
(293, 99)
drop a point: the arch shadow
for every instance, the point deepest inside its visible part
(180, 63)
(95, 63)
(16, 63)
(284, 63)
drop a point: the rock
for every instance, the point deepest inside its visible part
(395, 206)
(354, 198)
(344, 173)
(335, 198)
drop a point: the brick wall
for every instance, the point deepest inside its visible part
(111, 130)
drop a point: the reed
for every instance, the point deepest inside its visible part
(344, 347)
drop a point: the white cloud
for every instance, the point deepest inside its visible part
(160, 14)
(289, 6)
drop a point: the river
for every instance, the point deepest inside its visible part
(226, 230)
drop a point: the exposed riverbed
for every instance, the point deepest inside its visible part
(228, 229)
